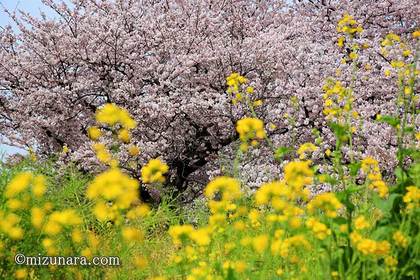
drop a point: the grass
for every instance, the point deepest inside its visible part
(66, 189)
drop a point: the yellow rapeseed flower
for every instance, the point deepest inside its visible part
(18, 184)
(340, 41)
(298, 174)
(400, 239)
(21, 273)
(65, 149)
(39, 186)
(306, 148)
(327, 202)
(391, 261)
(139, 211)
(234, 81)
(14, 204)
(37, 217)
(412, 198)
(124, 135)
(257, 103)
(361, 223)
(200, 236)
(353, 55)
(320, 230)
(94, 133)
(133, 150)
(229, 188)
(347, 24)
(269, 191)
(140, 262)
(76, 236)
(250, 129)
(132, 234)
(260, 243)
(114, 185)
(102, 153)
(153, 171)
(110, 114)
(180, 233)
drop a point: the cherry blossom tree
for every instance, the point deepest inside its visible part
(166, 62)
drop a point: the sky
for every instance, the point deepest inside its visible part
(33, 7)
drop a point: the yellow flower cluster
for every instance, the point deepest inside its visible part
(338, 101)
(235, 82)
(371, 167)
(29, 217)
(250, 129)
(260, 243)
(400, 239)
(153, 172)
(113, 191)
(112, 186)
(111, 115)
(306, 148)
(390, 40)
(104, 155)
(391, 262)
(320, 230)
(9, 225)
(283, 200)
(299, 174)
(181, 233)
(228, 188)
(120, 124)
(369, 246)
(22, 181)
(272, 192)
(19, 194)
(348, 25)
(59, 219)
(94, 133)
(132, 234)
(412, 198)
(361, 223)
(133, 150)
(124, 135)
(283, 247)
(326, 202)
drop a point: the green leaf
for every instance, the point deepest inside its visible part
(340, 220)
(409, 129)
(282, 152)
(400, 174)
(354, 168)
(230, 274)
(385, 205)
(339, 131)
(414, 173)
(404, 152)
(115, 148)
(381, 232)
(354, 189)
(394, 122)
(344, 197)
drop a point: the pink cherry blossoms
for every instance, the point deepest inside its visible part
(166, 62)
